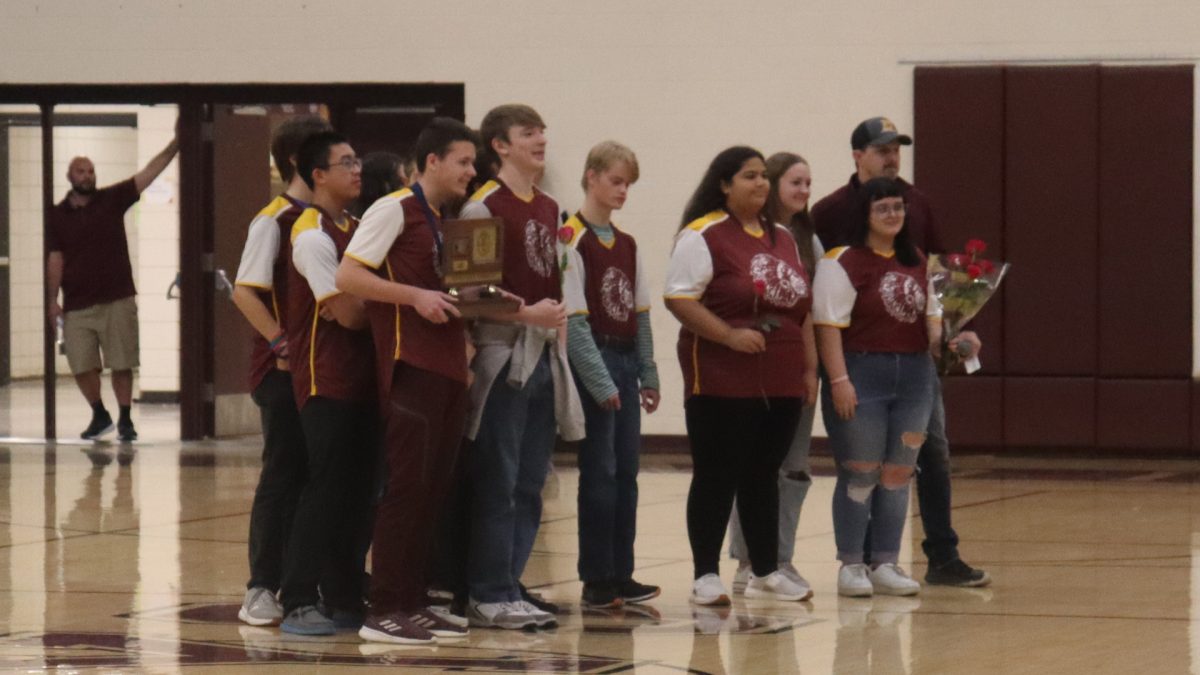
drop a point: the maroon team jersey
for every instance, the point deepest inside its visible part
(741, 264)
(531, 268)
(326, 358)
(401, 334)
(610, 280)
(284, 210)
(95, 252)
(879, 304)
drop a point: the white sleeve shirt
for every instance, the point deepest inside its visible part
(257, 267)
(377, 231)
(691, 268)
(315, 258)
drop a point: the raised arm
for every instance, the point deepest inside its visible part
(155, 166)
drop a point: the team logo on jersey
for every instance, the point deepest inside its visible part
(784, 285)
(539, 249)
(903, 297)
(616, 294)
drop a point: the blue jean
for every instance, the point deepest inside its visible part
(794, 481)
(508, 468)
(895, 400)
(608, 469)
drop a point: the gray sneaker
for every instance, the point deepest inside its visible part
(260, 608)
(507, 615)
(307, 620)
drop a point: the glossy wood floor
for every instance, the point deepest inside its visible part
(134, 559)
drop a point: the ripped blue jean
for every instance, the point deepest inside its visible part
(877, 449)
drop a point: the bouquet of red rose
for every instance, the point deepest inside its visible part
(963, 283)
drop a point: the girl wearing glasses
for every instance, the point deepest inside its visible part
(876, 323)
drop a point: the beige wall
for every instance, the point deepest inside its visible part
(677, 81)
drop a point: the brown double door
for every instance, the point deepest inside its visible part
(1081, 177)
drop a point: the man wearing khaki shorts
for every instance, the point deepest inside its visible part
(89, 261)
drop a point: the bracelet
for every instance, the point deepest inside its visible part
(838, 380)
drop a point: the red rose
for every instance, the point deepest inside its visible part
(987, 266)
(760, 287)
(566, 234)
(974, 271)
(975, 246)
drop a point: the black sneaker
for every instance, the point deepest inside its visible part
(632, 591)
(601, 595)
(956, 573)
(101, 424)
(538, 601)
(125, 431)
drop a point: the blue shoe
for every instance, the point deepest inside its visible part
(307, 620)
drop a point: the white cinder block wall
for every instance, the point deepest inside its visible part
(677, 81)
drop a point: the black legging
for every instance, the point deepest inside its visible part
(737, 446)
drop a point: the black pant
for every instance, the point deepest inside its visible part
(279, 484)
(332, 528)
(452, 539)
(738, 445)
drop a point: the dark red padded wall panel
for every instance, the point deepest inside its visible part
(959, 163)
(1049, 412)
(1143, 414)
(973, 410)
(1146, 222)
(1051, 126)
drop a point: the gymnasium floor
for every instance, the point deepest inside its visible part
(118, 560)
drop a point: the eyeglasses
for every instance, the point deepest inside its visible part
(881, 209)
(348, 163)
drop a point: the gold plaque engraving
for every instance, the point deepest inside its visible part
(473, 266)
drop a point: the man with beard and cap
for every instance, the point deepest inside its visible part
(89, 261)
(875, 146)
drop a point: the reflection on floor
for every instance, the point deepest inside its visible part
(134, 558)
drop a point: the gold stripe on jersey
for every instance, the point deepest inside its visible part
(400, 194)
(392, 278)
(275, 305)
(835, 253)
(276, 207)
(695, 364)
(312, 351)
(485, 190)
(309, 220)
(707, 220)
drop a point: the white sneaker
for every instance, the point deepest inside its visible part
(789, 571)
(505, 615)
(260, 608)
(708, 590)
(542, 619)
(854, 581)
(776, 586)
(889, 579)
(741, 578)
(444, 612)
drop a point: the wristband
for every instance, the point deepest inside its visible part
(278, 344)
(838, 380)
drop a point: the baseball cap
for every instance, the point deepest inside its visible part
(877, 131)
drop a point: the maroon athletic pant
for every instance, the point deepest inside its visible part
(424, 422)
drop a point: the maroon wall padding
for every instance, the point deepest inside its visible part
(958, 134)
(973, 410)
(1049, 412)
(1143, 414)
(1051, 125)
(1145, 323)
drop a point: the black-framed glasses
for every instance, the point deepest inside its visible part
(348, 163)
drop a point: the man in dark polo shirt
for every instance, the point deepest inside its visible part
(89, 261)
(875, 146)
